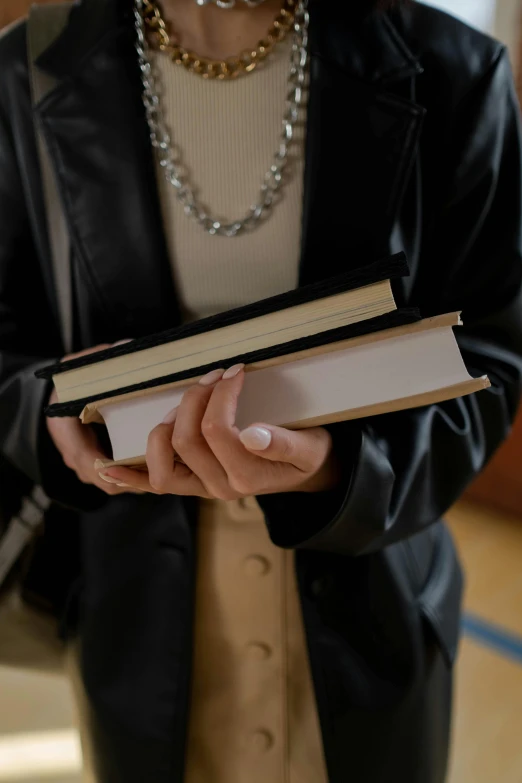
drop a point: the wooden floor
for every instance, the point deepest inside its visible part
(488, 716)
(38, 742)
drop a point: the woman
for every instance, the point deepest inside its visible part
(246, 668)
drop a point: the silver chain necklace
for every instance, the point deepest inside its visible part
(161, 141)
(230, 3)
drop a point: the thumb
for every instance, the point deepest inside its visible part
(301, 448)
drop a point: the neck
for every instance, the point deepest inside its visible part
(219, 33)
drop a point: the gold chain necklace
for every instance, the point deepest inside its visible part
(246, 62)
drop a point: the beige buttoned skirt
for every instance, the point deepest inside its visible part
(253, 713)
(253, 716)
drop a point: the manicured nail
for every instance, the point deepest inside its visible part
(99, 465)
(232, 371)
(170, 418)
(127, 486)
(211, 377)
(256, 438)
(108, 479)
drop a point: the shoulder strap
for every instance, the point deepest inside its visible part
(44, 25)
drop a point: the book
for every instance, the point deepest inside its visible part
(404, 367)
(331, 352)
(355, 303)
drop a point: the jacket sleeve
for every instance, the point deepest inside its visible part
(29, 339)
(402, 471)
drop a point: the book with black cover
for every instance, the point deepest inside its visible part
(350, 305)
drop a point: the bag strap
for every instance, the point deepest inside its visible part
(21, 530)
(44, 25)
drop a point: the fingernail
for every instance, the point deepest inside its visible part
(170, 418)
(122, 342)
(232, 371)
(99, 465)
(127, 486)
(211, 377)
(256, 438)
(108, 479)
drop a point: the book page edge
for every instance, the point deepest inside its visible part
(91, 414)
(392, 406)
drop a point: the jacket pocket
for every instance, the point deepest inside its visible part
(440, 599)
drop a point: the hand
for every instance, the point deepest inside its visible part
(221, 462)
(78, 445)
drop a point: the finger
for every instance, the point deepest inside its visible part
(304, 449)
(113, 482)
(218, 424)
(189, 442)
(183, 482)
(87, 472)
(87, 455)
(160, 457)
(78, 445)
(126, 478)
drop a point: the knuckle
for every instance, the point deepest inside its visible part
(222, 492)
(241, 485)
(156, 435)
(193, 392)
(211, 428)
(159, 484)
(286, 449)
(181, 441)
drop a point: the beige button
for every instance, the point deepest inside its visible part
(259, 651)
(261, 740)
(256, 565)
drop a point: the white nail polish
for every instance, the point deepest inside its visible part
(256, 438)
(170, 418)
(108, 479)
(211, 377)
(232, 371)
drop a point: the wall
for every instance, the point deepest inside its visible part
(479, 13)
(501, 18)
(13, 9)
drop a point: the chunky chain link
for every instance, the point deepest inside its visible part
(161, 140)
(246, 62)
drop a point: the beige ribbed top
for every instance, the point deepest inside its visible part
(253, 715)
(227, 134)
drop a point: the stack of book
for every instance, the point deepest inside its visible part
(332, 351)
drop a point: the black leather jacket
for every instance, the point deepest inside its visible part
(413, 143)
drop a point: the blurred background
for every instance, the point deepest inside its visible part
(38, 742)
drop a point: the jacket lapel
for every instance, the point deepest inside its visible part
(362, 137)
(94, 125)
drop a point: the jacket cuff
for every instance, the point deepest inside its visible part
(60, 483)
(346, 519)
(30, 448)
